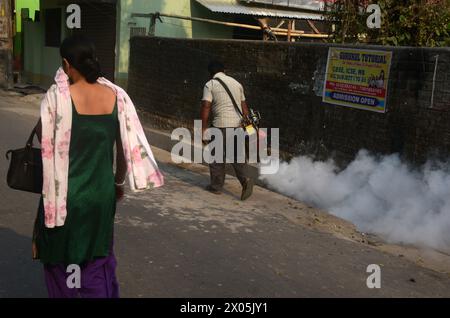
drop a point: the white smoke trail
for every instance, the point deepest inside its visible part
(379, 195)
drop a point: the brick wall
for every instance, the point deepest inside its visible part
(284, 81)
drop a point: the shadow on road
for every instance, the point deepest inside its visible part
(194, 178)
(20, 275)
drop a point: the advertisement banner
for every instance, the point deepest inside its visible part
(357, 78)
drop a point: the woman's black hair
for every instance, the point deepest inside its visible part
(79, 51)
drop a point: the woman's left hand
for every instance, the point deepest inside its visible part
(34, 251)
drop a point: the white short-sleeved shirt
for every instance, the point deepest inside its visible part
(223, 111)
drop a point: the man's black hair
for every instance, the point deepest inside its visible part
(215, 67)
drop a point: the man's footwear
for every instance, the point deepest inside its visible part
(212, 190)
(247, 189)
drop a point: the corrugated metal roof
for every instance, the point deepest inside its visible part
(234, 7)
(315, 5)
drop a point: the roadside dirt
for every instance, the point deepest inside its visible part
(297, 212)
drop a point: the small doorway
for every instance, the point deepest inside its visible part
(98, 22)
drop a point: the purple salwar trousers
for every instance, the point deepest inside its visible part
(98, 280)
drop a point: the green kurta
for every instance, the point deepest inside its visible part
(91, 199)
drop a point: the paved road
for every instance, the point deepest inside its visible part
(179, 241)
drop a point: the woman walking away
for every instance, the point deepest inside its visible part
(83, 116)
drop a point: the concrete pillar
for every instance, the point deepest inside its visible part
(6, 44)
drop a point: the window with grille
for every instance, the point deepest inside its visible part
(138, 31)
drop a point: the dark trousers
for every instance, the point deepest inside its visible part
(217, 170)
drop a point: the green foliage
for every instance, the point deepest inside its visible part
(403, 22)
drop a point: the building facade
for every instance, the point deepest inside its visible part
(109, 23)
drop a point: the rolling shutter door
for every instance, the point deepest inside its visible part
(98, 22)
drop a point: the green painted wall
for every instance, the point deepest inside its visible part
(33, 38)
(171, 27)
(33, 5)
(41, 62)
(49, 57)
(201, 30)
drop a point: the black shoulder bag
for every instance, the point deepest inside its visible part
(25, 170)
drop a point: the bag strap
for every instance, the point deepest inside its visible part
(29, 142)
(31, 138)
(231, 96)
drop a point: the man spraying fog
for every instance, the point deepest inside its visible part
(217, 100)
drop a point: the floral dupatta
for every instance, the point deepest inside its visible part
(56, 117)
